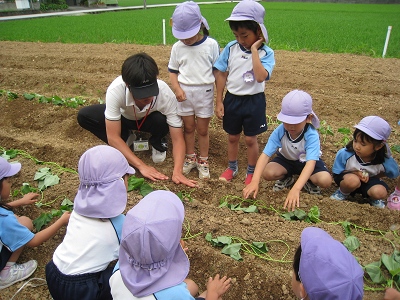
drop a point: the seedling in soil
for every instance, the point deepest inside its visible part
(325, 130)
(45, 218)
(346, 132)
(233, 245)
(378, 270)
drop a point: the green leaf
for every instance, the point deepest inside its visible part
(347, 229)
(259, 247)
(226, 240)
(134, 183)
(42, 220)
(232, 249)
(374, 272)
(11, 153)
(28, 96)
(250, 209)
(67, 202)
(288, 215)
(390, 263)
(42, 173)
(51, 180)
(395, 148)
(145, 189)
(344, 130)
(351, 243)
(223, 204)
(314, 214)
(26, 188)
(300, 214)
(208, 237)
(236, 256)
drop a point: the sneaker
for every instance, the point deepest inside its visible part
(158, 156)
(202, 166)
(248, 179)
(283, 184)
(189, 164)
(131, 139)
(17, 272)
(393, 202)
(312, 189)
(228, 175)
(377, 203)
(338, 195)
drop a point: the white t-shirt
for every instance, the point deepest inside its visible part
(194, 63)
(89, 245)
(119, 101)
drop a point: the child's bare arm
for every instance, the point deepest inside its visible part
(293, 198)
(260, 74)
(262, 162)
(27, 199)
(217, 286)
(50, 231)
(391, 294)
(220, 81)
(176, 87)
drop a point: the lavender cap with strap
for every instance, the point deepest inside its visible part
(375, 127)
(150, 257)
(250, 10)
(8, 169)
(102, 191)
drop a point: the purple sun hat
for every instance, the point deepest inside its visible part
(375, 127)
(8, 169)
(187, 20)
(250, 10)
(296, 106)
(327, 269)
(102, 192)
(150, 256)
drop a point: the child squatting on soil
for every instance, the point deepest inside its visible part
(297, 147)
(191, 74)
(359, 167)
(80, 265)
(152, 262)
(323, 269)
(16, 231)
(243, 67)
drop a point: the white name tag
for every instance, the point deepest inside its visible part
(141, 145)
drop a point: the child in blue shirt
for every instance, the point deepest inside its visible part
(16, 231)
(297, 145)
(359, 167)
(243, 67)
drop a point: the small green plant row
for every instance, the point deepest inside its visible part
(377, 271)
(56, 100)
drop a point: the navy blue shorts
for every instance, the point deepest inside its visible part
(245, 113)
(5, 255)
(89, 286)
(365, 186)
(295, 167)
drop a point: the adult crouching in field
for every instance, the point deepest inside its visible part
(138, 101)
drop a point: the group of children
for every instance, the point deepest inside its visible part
(293, 148)
(152, 263)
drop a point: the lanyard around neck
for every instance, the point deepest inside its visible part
(141, 123)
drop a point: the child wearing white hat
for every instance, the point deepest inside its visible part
(80, 268)
(192, 78)
(359, 167)
(297, 147)
(16, 231)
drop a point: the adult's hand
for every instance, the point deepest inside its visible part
(180, 178)
(151, 173)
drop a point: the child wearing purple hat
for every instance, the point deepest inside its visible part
(359, 167)
(191, 74)
(152, 263)
(297, 147)
(323, 269)
(80, 268)
(16, 231)
(242, 68)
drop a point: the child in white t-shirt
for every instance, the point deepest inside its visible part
(80, 268)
